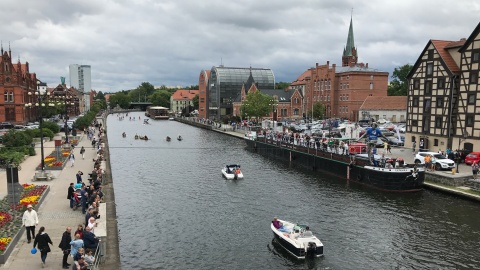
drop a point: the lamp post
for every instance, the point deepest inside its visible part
(40, 104)
(66, 117)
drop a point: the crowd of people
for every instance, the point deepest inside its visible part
(86, 194)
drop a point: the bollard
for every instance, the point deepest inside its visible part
(453, 171)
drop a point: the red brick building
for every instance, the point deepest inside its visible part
(202, 94)
(16, 82)
(341, 90)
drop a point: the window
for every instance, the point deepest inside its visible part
(469, 121)
(476, 56)
(428, 87)
(8, 96)
(328, 99)
(435, 142)
(471, 99)
(371, 86)
(296, 100)
(429, 69)
(371, 77)
(439, 102)
(416, 84)
(438, 121)
(427, 105)
(473, 77)
(202, 100)
(415, 123)
(430, 54)
(426, 124)
(295, 111)
(440, 83)
(283, 112)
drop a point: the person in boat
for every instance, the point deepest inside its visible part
(179, 137)
(276, 223)
(372, 134)
(124, 134)
(307, 232)
(168, 138)
(237, 170)
(145, 137)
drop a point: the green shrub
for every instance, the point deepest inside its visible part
(51, 126)
(31, 151)
(15, 138)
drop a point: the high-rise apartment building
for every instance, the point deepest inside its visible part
(81, 79)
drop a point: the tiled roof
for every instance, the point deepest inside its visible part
(301, 79)
(455, 44)
(283, 95)
(445, 55)
(385, 103)
(183, 94)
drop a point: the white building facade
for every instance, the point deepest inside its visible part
(81, 79)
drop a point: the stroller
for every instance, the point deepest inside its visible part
(76, 200)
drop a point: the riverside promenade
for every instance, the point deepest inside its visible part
(55, 213)
(458, 184)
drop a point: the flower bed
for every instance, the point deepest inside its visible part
(11, 227)
(51, 162)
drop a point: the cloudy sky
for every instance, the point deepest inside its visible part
(168, 42)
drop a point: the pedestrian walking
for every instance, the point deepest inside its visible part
(389, 148)
(474, 169)
(82, 152)
(72, 159)
(70, 196)
(65, 246)
(29, 220)
(42, 239)
(414, 145)
(79, 177)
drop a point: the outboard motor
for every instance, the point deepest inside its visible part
(311, 249)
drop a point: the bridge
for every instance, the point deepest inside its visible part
(139, 105)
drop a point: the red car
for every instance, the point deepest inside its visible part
(472, 157)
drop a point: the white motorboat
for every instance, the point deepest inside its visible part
(171, 118)
(297, 240)
(232, 172)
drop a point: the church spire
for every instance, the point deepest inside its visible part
(350, 51)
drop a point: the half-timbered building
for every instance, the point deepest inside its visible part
(443, 95)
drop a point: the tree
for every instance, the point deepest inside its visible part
(282, 85)
(121, 99)
(141, 92)
(318, 110)
(100, 96)
(399, 84)
(160, 98)
(195, 102)
(256, 105)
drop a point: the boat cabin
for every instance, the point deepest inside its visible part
(157, 113)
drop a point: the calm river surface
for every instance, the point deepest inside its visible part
(175, 211)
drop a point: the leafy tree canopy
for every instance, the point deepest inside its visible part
(100, 96)
(257, 105)
(121, 99)
(318, 111)
(195, 102)
(160, 98)
(282, 85)
(399, 84)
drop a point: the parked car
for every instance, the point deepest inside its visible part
(472, 157)
(442, 161)
(393, 140)
(19, 127)
(6, 125)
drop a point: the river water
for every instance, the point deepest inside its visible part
(175, 211)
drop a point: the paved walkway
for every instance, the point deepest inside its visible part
(54, 213)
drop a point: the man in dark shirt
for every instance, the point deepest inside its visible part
(71, 190)
(65, 246)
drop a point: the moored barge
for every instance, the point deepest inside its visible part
(354, 168)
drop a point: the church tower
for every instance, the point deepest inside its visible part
(350, 56)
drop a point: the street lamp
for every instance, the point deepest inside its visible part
(41, 103)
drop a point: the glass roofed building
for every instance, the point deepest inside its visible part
(225, 85)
